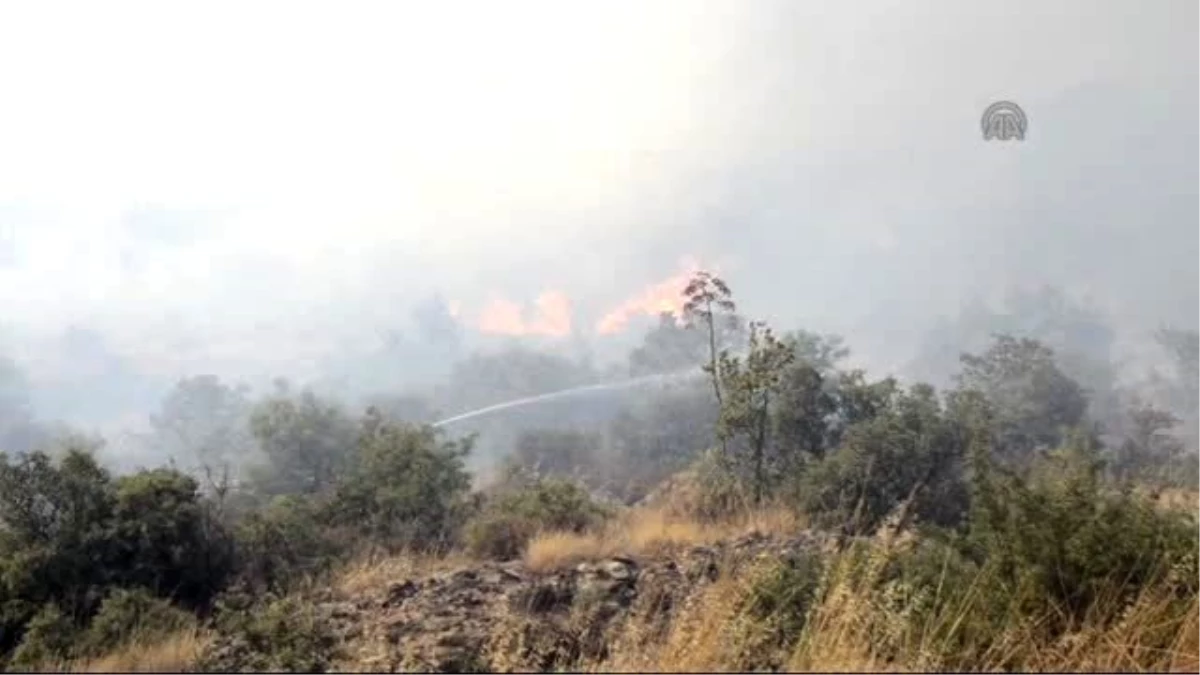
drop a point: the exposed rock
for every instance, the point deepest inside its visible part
(399, 592)
(503, 617)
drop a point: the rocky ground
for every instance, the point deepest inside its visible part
(504, 617)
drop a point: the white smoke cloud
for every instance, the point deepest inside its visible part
(214, 185)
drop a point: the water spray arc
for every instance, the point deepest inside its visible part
(565, 393)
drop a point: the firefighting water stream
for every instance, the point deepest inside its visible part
(573, 391)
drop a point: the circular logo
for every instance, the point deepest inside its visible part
(1004, 121)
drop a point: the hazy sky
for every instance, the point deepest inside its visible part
(212, 184)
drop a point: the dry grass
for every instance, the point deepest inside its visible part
(1180, 499)
(845, 626)
(650, 531)
(376, 571)
(849, 629)
(700, 639)
(176, 653)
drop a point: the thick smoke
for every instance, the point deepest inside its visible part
(425, 192)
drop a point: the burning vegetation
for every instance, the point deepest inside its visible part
(551, 314)
(771, 509)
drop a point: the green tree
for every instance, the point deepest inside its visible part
(1033, 401)
(525, 505)
(806, 406)
(48, 639)
(668, 347)
(130, 614)
(285, 540)
(751, 386)
(206, 422)
(709, 305)
(857, 400)
(1058, 538)
(54, 541)
(166, 539)
(1149, 451)
(308, 442)
(820, 352)
(408, 488)
(911, 452)
(69, 532)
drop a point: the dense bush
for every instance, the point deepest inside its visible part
(284, 541)
(270, 634)
(308, 443)
(168, 540)
(1061, 536)
(512, 516)
(127, 614)
(717, 490)
(47, 639)
(408, 488)
(910, 450)
(1032, 399)
(777, 607)
(69, 533)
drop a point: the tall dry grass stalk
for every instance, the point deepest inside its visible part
(650, 532)
(177, 653)
(858, 623)
(702, 637)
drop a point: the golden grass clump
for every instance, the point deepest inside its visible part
(650, 532)
(699, 639)
(176, 653)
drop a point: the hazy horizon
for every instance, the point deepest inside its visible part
(262, 190)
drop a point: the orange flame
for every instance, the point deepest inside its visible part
(665, 296)
(502, 316)
(552, 309)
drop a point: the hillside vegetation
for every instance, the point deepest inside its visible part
(783, 513)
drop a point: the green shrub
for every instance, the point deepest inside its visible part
(913, 450)
(960, 611)
(307, 441)
(509, 519)
(284, 542)
(1060, 538)
(166, 539)
(777, 606)
(269, 635)
(497, 536)
(720, 491)
(71, 533)
(409, 489)
(56, 542)
(48, 639)
(126, 614)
